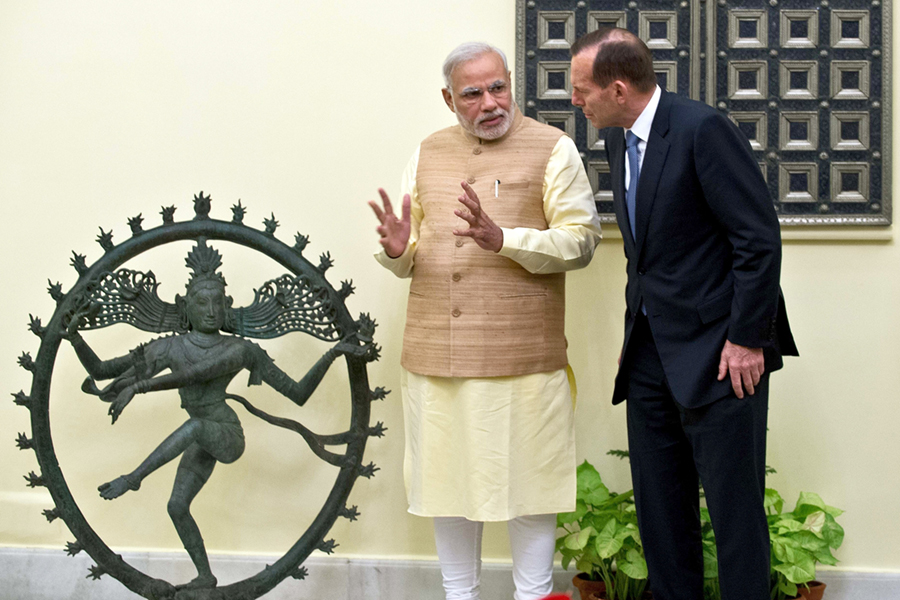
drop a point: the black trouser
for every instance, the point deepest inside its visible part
(724, 443)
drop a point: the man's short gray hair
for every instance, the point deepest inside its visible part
(466, 52)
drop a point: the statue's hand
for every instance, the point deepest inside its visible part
(71, 330)
(78, 317)
(121, 402)
(350, 345)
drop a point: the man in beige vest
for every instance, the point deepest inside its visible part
(495, 210)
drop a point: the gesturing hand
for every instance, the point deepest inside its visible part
(746, 366)
(481, 228)
(394, 232)
(121, 402)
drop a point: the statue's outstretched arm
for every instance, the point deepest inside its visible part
(93, 364)
(300, 391)
(228, 362)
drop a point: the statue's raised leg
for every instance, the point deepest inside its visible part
(170, 448)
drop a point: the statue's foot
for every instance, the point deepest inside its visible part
(199, 582)
(116, 488)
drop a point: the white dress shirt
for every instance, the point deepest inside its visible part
(641, 128)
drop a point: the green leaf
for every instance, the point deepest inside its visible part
(810, 499)
(585, 566)
(815, 521)
(789, 589)
(788, 525)
(622, 454)
(607, 544)
(783, 550)
(825, 557)
(566, 559)
(834, 533)
(597, 496)
(808, 503)
(579, 539)
(633, 565)
(588, 478)
(799, 572)
(810, 541)
(599, 520)
(570, 517)
(630, 531)
(710, 562)
(773, 500)
(834, 512)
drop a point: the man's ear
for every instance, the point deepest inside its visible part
(448, 99)
(620, 90)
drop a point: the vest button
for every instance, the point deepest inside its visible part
(476, 151)
(470, 179)
(456, 277)
(459, 243)
(456, 312)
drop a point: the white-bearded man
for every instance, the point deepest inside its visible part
(495, 210)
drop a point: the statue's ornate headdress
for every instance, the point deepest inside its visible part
(203, 262)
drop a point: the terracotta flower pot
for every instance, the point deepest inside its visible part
(586, 587)
(814, 592)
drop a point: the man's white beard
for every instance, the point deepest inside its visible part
(491, 133)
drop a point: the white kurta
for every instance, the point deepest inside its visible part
(492, 449)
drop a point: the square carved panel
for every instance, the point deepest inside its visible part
(606, 18)
(754, 125)
(554, 81)
(598, 175)
(798, 131)
(849, 29)
(658, 29)
(849, 182)
(748, 79)
(799, 79)
(562, 119)
(666, 74)
(747, 29)
(849, 130)
(850, 79)
(556, 29)
(798, 182)
(799, 28)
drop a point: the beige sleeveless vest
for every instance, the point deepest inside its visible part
(472, 312)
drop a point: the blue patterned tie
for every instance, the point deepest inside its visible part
(631, 145)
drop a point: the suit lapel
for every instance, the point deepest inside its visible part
(651, 169)
(615, 146)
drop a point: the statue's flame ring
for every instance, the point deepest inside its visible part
(106, 559)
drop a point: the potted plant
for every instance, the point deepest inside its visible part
(799, 539)
(602, 539)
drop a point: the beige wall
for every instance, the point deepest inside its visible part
(109, 109)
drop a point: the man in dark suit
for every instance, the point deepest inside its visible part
(705, 323)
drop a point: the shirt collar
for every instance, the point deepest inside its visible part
(641, 126)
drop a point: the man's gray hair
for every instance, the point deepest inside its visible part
(466, 52)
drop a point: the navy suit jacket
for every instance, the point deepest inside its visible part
(705, 261)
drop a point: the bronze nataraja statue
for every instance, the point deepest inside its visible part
(201, 362)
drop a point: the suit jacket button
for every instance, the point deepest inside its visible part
(470, 179)
(456, 277)
(456, 312)
(642, 272)
(459, 243)
(476, 151)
